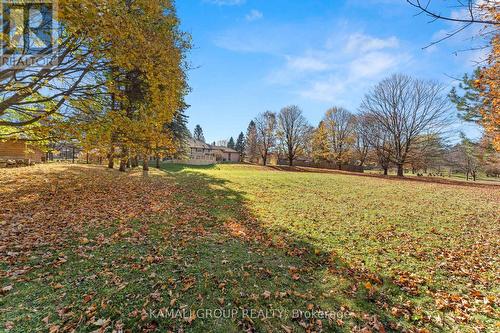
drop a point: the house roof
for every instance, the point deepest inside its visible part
(193, 143)
(225, 149)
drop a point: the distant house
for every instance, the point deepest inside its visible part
(201, 153)
(21, 151)
(225, 154)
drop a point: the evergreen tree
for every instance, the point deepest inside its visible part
(468, 104)
(198, 133)
(251, 149)
(180, 132)
(240, 144)
(230, 143)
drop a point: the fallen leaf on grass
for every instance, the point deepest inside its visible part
(7, 289)
(54, 329)
(101, 322)
(191, 318)
(188, 283)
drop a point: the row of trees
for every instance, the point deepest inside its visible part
(401, 122)
(116, 84)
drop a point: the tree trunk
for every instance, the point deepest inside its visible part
(145, 163)
(111, 162)
(264, 160)
(467, 175)
(111, 157)
(386, 172)
(290, 161)
(123, 165)
(88, 158)
(128, 163)
(474, 175)
(400, 170)
(157, 162)
(135, 162)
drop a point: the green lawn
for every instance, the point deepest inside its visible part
(233, 248)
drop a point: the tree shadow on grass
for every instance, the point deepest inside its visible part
(364, 299)
(191, 258)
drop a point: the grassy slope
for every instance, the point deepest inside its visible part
(391, 253)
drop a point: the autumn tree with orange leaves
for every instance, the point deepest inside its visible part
(488, 83)
(144, 51)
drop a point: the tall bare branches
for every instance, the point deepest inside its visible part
(473, 10)
(292, 128)
(465, 14)
(406, 108)
(340, 125)
(265, 124)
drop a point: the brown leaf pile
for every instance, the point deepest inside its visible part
(45, 205)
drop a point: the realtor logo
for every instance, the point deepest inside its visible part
(28, 28)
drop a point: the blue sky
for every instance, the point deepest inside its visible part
(250, 56)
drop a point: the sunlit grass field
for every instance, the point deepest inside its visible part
(277, 251)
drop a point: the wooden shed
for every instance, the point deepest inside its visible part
(20, 150)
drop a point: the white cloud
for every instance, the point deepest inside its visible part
(225, 2)
(254, 15)
(334, 69)
(372, 64)
(264, 38)
(328, 90)
(307, 63)
(363, 43)
(346, 65)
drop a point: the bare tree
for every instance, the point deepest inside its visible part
(292, 131)
(378, 140)
(265, 124)
(466, 157)
(339, 124)
(427, 153)
(406, 108)
(472, 13)
(361, 144)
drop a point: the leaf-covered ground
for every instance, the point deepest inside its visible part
(239, 248)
